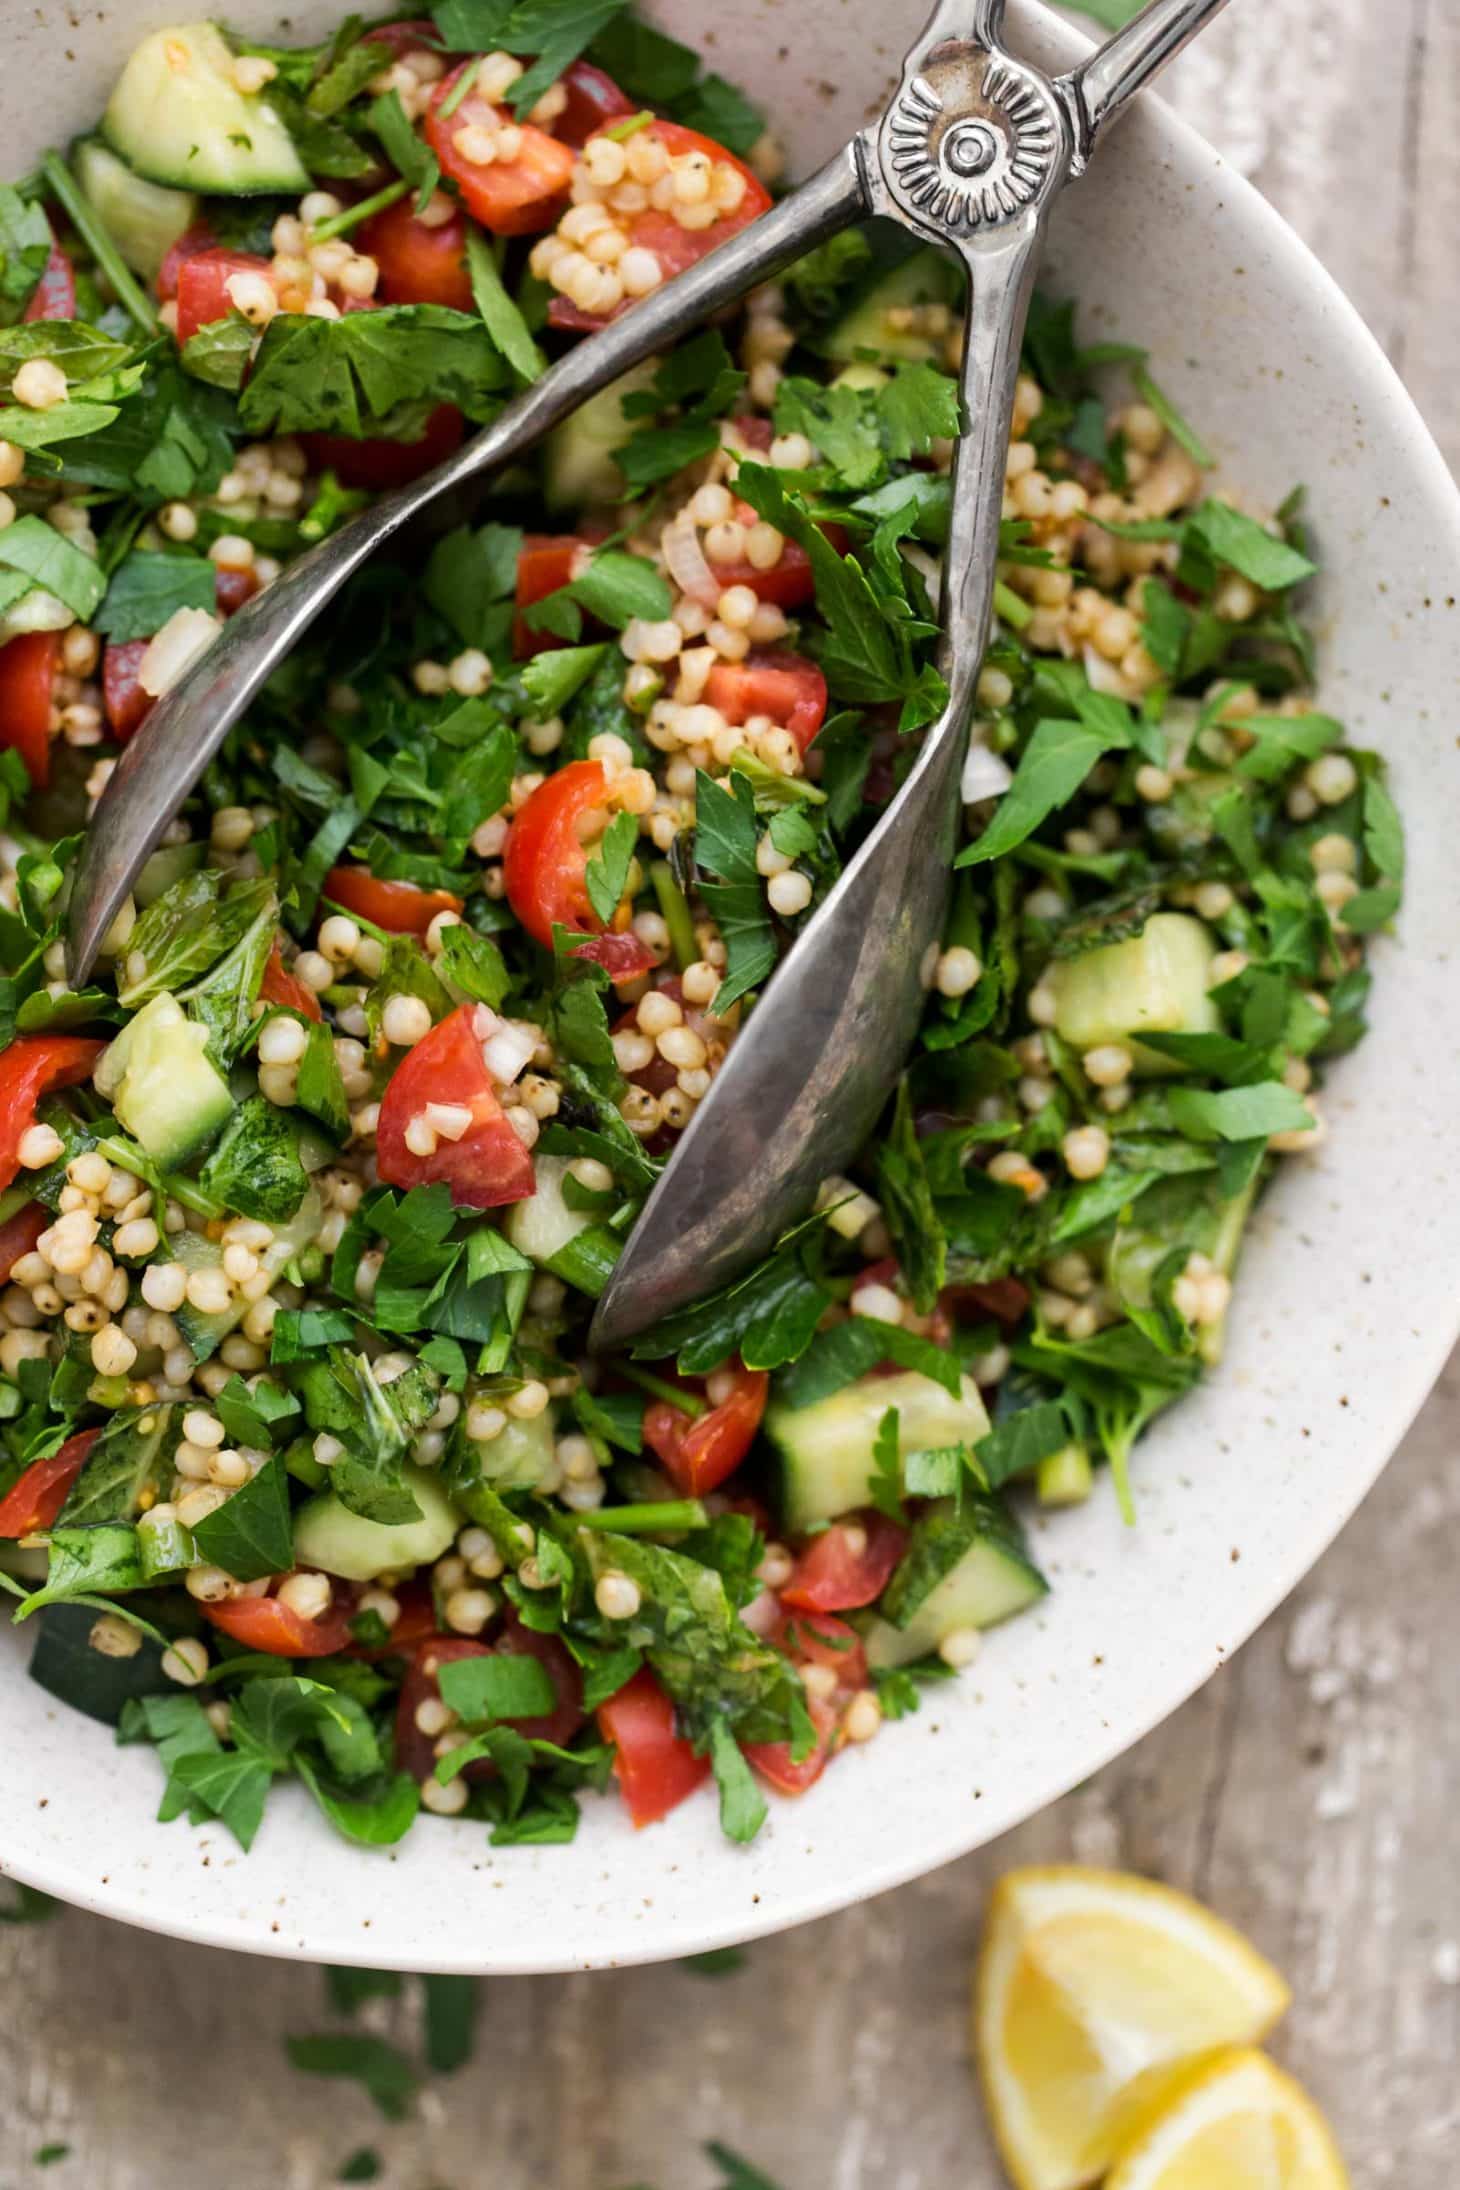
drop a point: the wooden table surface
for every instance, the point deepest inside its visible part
(1310, 1791)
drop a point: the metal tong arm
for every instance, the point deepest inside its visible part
(187, 726)
(1099, 90)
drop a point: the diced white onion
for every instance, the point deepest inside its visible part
(169, 656)
(1104, 676)
(684, 559)
(985, 775)
(508, 1050)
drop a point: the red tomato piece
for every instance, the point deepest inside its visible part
(594, 99)
(417, 36)
(54, 295)
(231, 588)
(188, 245)
(654, 1767)
(264, 1624)
(698, 1452)
(790, 690)
(18, 1235)
(1005, 1299)
(33, 1066)
(377, 464)
(488, 1165)
(126, 704)
(27, 676)
(813, 1639)
(675, 248)
(547, 561)
(511, 198)
(415, 1623)
(847, 1565)
(31, 1505)
(280, 986)
(544, 861)
(398, 906)
(418, 265)
(416, 1751)
(202, 286)
(622, 957)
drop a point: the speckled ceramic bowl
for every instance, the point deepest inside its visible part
(1350, 1284)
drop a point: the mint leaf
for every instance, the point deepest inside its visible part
(500, 1687)
(1054, 764)
(349, 375)
(1238, 1113)
(607, 872)
(885, 1485)
(500, 316)
(1248, 547)
(250, 1536)
(917, 407)
(743, 1808)
(34, 552)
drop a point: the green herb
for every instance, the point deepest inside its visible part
(350, 375)
(452, 2004)
(25, 248)
(255, 1166)
(1054, 764)
(34, 555)
(340, 224)
(555, 31)
(918, 1238)
(363, 2165)
(1178, 428)
(1248, 547)
(1239, 1113)
(251, 1536)
(382, 2069)
(884, 1486)
(501, 1687)
(502, 318)
(147, 589)
(83, 218)
(743, 1808)
(725, 845)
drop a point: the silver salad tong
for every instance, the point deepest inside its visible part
(970, 153)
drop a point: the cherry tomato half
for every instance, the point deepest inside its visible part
(847, 1565)
(622, 957)
(698, 1452)
(280, 986)
(654, 1767)
(419, 264)
(510, 197)
(416, 1751)
(488, 1164)
(127, 705)
(790, 690)
(18, 1235)
(188, 245)
(545, 861)
(673, 246)
(27, 677)
(376, 464)
(33, 1066)
(398, 906)
(202, 286)
(594, 100)
(32, 1504)
(54, 295)
(813, 1638)
(546, 562)
(264, 1624)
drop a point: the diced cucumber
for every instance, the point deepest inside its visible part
(1066, 1477)
(543, 1225)
(868, 333)
(578, 468)
(1154, 984)
(163, 1547)
(1185, 1212)
(961, 1569)
(144, 219)
(177, 117)
(327, 1535)
(519, 1457)
(158, 1079)
(163, 868)
(861, 375)
(827, 1449)
(204, 1334)
(587, 1262)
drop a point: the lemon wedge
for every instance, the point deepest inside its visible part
(1235, 2119)
(1094, 1991)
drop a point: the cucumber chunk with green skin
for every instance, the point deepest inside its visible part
(543, 1225)
(162, 1086)
(520, 1457)
(204, 1333)
(144, 219)
(1154, 984)
(1180, 1213)
(328, 1536)
(867, 332)
(827, 1449)
(162, 869)
(961, 1569)
(578, 468)
(177, 117)
(1066, 1477)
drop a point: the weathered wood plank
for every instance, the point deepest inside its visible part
(1310, 1790)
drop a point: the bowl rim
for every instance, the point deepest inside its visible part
(729, 1920)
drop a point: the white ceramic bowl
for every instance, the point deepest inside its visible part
(1349, 1288)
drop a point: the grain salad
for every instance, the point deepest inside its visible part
(305, 1202)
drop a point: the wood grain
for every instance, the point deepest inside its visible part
(1310, 1791)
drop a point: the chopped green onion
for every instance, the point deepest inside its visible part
(82, 216)
(629, 126)
(340, 224)
(1009, 608)
(458, 90)
(674, 906)
(667, 1517)
(1172, 419)
(659, 1387)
